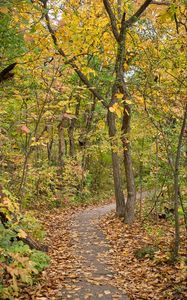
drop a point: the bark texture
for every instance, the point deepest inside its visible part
(119, 195)
(61, 144)
(130, 182)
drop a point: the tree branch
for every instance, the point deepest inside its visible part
(160, 3)
(6, 73)
(81, 75)
(138, 13)
(112, 19)
(123, 27)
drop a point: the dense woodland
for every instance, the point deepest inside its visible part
(93, 107)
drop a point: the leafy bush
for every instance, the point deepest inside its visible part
(40, 259)
(40, 185)
(32, 226)
(18, 263)
(75, 182)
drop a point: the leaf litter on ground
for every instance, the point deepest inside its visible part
(150, 276)
(141, 278)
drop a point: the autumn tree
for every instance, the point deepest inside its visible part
(165, 108)
(117, 98)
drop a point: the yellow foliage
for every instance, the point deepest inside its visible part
(116, 108)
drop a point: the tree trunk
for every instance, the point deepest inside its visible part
(176, 186)
(131, 190)
(71, 139)
(89, 120)
(121, 87)
(71, 130)
(120, 201)
(141, 178)
(50, 143)
(49, 149)
(62, 145)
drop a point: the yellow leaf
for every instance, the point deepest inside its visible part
(88, 71)
(118, 112)
(126, 67)
(101, 124)
(117, 109)
(22, 234)
(111, 109)
(119, 96)
(128, 101)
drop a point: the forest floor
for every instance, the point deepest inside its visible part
(93, 257)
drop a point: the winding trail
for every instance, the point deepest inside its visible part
(94, 278)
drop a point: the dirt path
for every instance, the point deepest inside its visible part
(94, 278)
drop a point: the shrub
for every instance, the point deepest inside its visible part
(18, 263)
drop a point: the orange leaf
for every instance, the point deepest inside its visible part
(25, 129)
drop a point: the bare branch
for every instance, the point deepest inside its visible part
(112, 19)
(123, 27)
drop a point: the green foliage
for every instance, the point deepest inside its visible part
(18, 263)
(9, 36)
(41, 185)
(146, 252)
(40, 259)
(75, 181)
(31, 225)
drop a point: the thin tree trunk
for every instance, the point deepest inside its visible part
(85, 159)
(71, 139)
(131, 190)
(50, 143)
(127, 158)
(176, 186)
(183, 209)
(156, 179)
(71, 130)
(141, 179)
(120, 201)
(49, 149)
(61, 144)
(20, 193)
